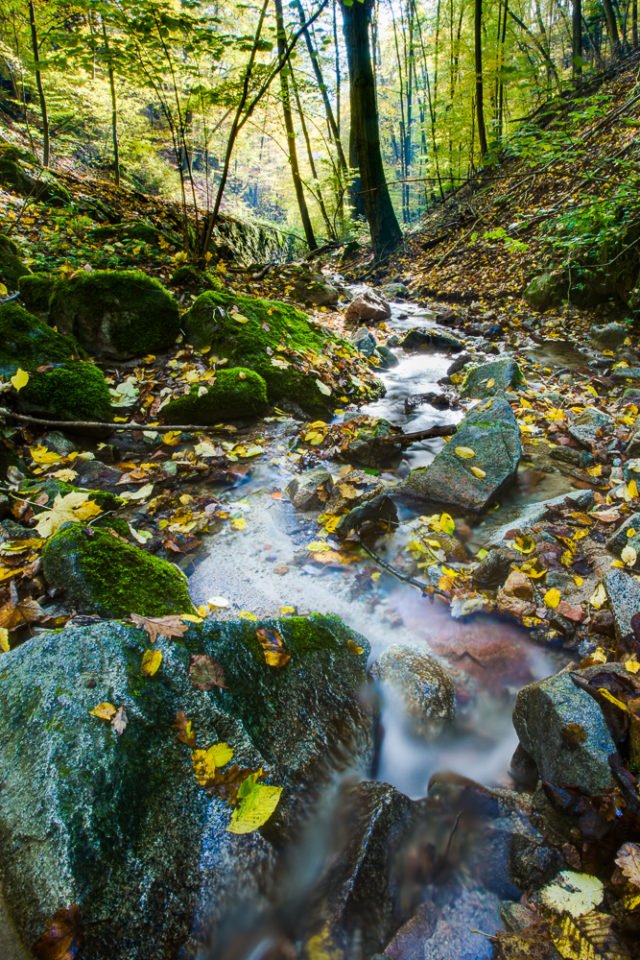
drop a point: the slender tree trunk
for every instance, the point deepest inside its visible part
(634, 22)
(383, 225)
(576, 38)
(114, 106)
(316, 191)
(46, 143)
(612, 26)
(477, 32)
(290, 131)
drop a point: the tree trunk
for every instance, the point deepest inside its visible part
(477, 29)
(576, 38)
(46, 144)
(365, 134)
(114, 106)
(290, 131)
(612, 26)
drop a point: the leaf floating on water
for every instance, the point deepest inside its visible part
(465, 453)
(591, 936)
(62, 938)
(206, 762)
(206, 673)
(169, 627)
(184, 730)
(256, 803)
(151, 662)
(573, 893)
(272, 645)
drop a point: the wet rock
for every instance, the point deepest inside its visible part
(310, 490)
(562, 728)
(533, 513)
(111, 822)
(489, 378)
(627, 535)
(516, 595)
(103, 575)
(372, 518)
(546, 290)
(422, 685)
(491, 431)
(94, 474)
(364, 341)
(591, 426)
(365, 448)
(387, 357)
(625, 373)
(633, 444)
(440, 401)
(368, 307)
(610, 335)
(395, 291)
(623, 594)
(235, 394)
(492, 571)
(361, 894)
(430, 338)
(459, 363)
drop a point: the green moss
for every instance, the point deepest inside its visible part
(236, 393)
(18, 174)
(32, 488)
(102, 575)
(35, 291)
(27, 342)
(116, 313)
(72, 391)
(11, 266)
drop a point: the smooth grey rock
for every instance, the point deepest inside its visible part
(591, 426)
(368, 307)
(375, 515)
(431, 338)
(364, 341)
(395, 291)
(623, 593)
(492, 432)
(625, 373)
(544, 715)
(611, 335)
(620, 538)
(423, 686)
(119, 824)
(311, 489)
(364, 448)
(532, 513)
(501, 374)
(387, 357)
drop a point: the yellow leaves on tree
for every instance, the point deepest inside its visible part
(75, 507)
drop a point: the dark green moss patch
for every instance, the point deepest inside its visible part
(236, 393)
(116, 313)
(27, 342)
(102, 575)
(11, 266)
(72, 391)
(35, 291)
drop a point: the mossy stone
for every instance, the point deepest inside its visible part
(71, 391)
(116, 313)
(269, 337)
(27, 342)
(486, 379)
(11, 266)
(236, 393)
(102, 575)
(35, 292)
(20, 172)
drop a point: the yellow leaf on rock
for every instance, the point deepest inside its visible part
(256, 803)
(20, 379)
(104, 711)
(151, 661)
(478, 472)
(205, 762)
(172, 438)
(465, 453)
(572, 893)
(632, 665)
(71, 508)
(632, 489)
(524, 544)
(629, 555)
(552, 598)
(41, 454)
(599, 597)
(4, 640)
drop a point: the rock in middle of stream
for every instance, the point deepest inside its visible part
(108, 816)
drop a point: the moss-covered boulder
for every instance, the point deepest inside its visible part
(11, 266)
(485, 379)
(115, 313)
(27, 342)
(71, 391)
(21, 173)
(546, 290)
(100, 574)
(476, 463)
(118, 824)
(35, 292)
(299, 360)
(235, 394)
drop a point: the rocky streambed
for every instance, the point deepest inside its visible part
(375, 620)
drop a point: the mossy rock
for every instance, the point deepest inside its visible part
(71, 391)
(32, 489)
(35, 292)
(116, 313)
(486, 379)
(274, 339)
(27, 342)
(102, 575)
(236, 393)
(546, 290)
(20, 173)
(11, 266)
(140, 230)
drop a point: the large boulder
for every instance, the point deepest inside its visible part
(70, 391)
(102, 574)
(115, 314)
(422, 685)
(118, 825)
(561, 727)
(280, 343)
(368, 307)
(431, 338)
(11, 266)
(21, 173)
(477, 462)
(235, 393)
(488, 378)
(29, 343)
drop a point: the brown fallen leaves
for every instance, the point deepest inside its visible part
(206, 673)
(169, 627)
(62, 938)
